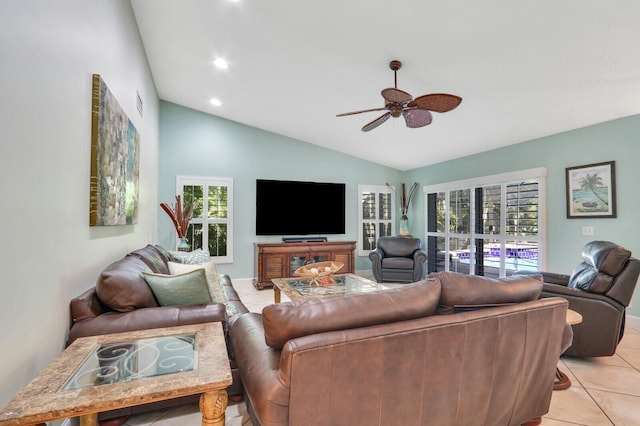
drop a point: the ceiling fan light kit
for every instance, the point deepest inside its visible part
(416, 112)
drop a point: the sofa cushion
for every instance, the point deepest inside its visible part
(152, 258)
(189, 288)
(603, 261)
(210, 270)
(121, 286)
(399, 247)
(195, 257)
(397, 263)
(285, 321)
(164, 253)
(474, 290)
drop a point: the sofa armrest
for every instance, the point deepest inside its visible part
(602, 321)
(87, 305)
(259, 369)
(419, 261)
(376, 257)
(548, 277)
(147, 318)
(419, 256)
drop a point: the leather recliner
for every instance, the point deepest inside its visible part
(600, 288)
(398, 259)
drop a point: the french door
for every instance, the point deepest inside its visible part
(490, 226)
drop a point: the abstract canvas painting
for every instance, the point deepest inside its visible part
(115, 145)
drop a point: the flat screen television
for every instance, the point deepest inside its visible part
(285, 207)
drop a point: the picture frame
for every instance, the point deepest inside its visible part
(115, 161)
(591, 191)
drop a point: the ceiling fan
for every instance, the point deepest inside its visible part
(416, 112)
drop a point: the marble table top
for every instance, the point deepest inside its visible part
(44, 400)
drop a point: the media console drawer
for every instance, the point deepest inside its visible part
(280, 260)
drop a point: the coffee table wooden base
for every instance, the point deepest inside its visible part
(276, 294)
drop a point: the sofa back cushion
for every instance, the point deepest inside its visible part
(121, 286)
(602, 262)
(398, 246)
(285, 321)
(152, 258)
(462, 290)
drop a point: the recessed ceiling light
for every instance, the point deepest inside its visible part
(221, 63)
(215, 102)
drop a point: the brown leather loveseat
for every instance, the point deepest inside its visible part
(387, 358)
(122, 301)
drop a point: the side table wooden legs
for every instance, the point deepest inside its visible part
(562, 381)
(276, 294)
(212, 406)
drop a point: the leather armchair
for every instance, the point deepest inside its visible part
(398, 259)
(600, 288)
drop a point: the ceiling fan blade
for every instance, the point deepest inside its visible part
(417, 117)
(438, 102)
(396, 96)
(360, 112)
(375, 123)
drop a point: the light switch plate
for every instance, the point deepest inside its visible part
(587, 230)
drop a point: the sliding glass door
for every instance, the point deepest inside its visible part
(487, 228)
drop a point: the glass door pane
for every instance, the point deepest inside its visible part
(521, 256)
(368, 236)
(459, 211)
(460, 255)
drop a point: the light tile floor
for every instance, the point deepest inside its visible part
(604, 391)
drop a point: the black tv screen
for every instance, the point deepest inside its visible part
(299, 208)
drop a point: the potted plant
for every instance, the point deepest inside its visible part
(180, 220)
(405, 201)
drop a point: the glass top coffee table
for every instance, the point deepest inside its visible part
(335, 285)
(103, 373)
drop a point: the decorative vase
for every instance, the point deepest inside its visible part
(183, 245)
(404, 226)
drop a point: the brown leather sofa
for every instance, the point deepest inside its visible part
(387, 358)
(122, 301)
(600, 288)
(398, 259)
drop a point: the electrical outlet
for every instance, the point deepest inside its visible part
(587, 230)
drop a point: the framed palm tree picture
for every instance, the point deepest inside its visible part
(591, 191)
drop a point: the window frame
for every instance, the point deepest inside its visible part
(377, 189)
(502, 180)
(206, 182)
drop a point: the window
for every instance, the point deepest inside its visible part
(490, 226)
(376, 217)
(212, 223)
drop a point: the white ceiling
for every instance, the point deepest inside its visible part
(524, 69)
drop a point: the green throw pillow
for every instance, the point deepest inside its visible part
(210, 270)
(185, 289)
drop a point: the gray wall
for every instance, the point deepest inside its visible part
(49, 254)
(194, 143)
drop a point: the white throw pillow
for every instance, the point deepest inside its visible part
(210, 271)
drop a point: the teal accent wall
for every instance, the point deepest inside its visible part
(617, 140)
(195, 143)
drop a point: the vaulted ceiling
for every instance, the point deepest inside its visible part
(524, 69)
